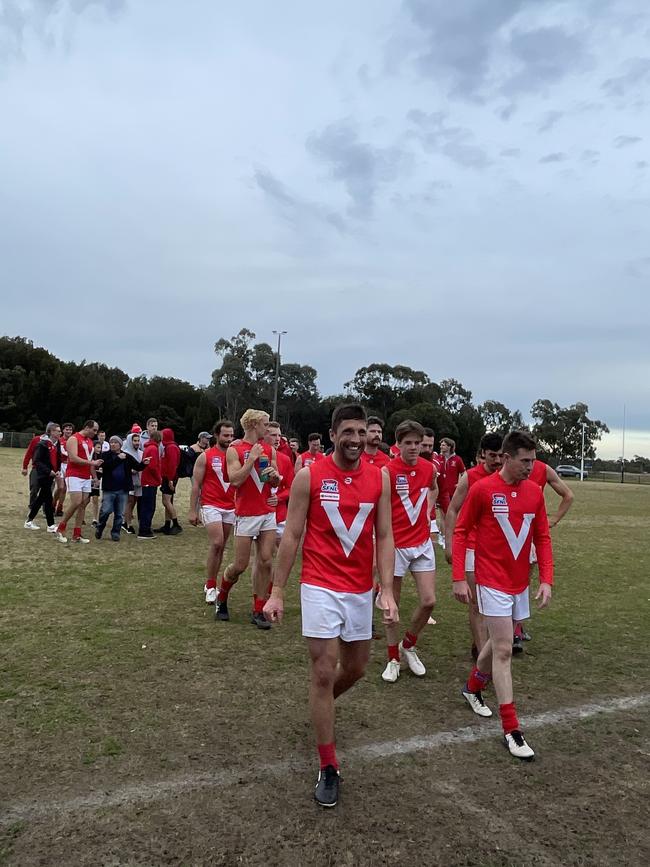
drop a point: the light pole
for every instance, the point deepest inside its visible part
(582, 454)
(277, 374)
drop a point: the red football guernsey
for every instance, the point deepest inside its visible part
(307, 459)
(216, 490)
(252, 495)
(409, 486)
(538, 474)
(507, 519)
(285, 468)
(378, 460)
(451, 469)
(85, 448)
(337, 550)
(394, 451)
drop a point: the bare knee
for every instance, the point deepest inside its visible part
(323, 674)
(502, 651)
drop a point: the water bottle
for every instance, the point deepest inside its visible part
(265, 468)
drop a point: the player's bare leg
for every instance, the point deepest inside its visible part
(77, 509)
(476, 620)
(262, 576)
(218, 534)
(353, 661)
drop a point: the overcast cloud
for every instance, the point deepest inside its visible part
(461, 187)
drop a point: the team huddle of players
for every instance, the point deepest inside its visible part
(361, 515)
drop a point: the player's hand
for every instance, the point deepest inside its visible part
(274, 478)
(147, 461)
(274, 609)
(552, 522)
(193, 518)
(23, 472)
(172, 486)
(389, 608)
(462, 592)
(256, 452)
(97, 463)
(272, 500)
(544, 595)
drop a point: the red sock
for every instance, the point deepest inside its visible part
(393, 652)
(270, 588)
(62, 527)
(508, 716)
(477, 680)
(410, 640)
(327, 755)
(519, 632)
(258, 604)
(224, 590)
(76, 533)
(211, 584)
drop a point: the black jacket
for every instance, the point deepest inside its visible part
(112, 461)
(42, 460)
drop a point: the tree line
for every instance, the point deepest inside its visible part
(36, 387)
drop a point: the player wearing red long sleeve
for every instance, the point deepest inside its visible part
(412, 482)
(211, 488)
(343, 503)
(372, 454)
(313, 453)
(509, 513)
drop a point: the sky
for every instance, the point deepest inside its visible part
(459, 187)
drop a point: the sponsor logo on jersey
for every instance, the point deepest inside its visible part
(329, 490)
(401, 480)
(499, 503)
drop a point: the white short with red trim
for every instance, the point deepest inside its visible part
(215, 515)
(533, 553)
(253, 525)
(496, 603)
(420, 558)
(279, 528)
(76, 485)
(469, 559)
(332, 614)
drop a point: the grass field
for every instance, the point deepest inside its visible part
(135, 730)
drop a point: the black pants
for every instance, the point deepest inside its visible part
(146, 509)
(44, 499)
(34, 487)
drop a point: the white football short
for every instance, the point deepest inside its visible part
(421, 558)
(215, 515)
(533, 553)
(253, 525)
(332, 614)
(434, 526)
(76, 485)
(496, 603)
(63, 469)
(279, 528)
(469, 559)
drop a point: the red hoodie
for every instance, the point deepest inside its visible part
(31, 448)
(151, 476)
(172, 456)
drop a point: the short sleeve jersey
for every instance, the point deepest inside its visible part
(216, 490)
(508, 518)
(337, 551)
(538, 474)
(379, 459)
(85, 448)
(474, 474)
(409, 486)
(252, 495)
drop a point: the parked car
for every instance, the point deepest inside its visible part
(569, 471)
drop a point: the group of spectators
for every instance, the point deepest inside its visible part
(70, 469)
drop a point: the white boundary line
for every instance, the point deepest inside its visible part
(153, 791)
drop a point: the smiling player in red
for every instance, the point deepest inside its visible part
(342, 501)
(509, 513)
(412, 482)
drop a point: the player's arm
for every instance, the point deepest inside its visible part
(460, 494)
(296, 517)
(562, 490)
(285, 486)
(198, 475)
(298, 464)
(238, 472)
(274, 478)
(385, 547)
(464, 523)
(544, 548)
(73, 452)
(29, 454)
